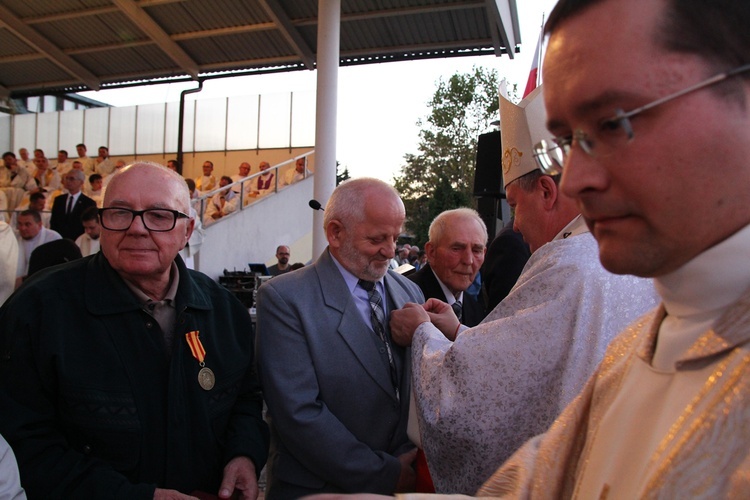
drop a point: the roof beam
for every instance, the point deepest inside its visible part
(289, 32)
(141, 19)
(503, 26)
(94, 11)
(109, 46)
(398, 12)
(459, 46)
(22, 58)
(234, 30)
(47, 48)
(63, 16)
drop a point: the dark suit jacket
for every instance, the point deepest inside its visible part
(472, 311)
(506, 257)
(69, 225)
(336, 424)
(97, 411)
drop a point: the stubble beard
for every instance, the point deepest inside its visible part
(363, 268)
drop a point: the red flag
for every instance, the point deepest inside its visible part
(531, 83)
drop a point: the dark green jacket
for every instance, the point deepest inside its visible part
(93, 407)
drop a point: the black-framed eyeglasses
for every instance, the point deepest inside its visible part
(154, 219)
(613, 132)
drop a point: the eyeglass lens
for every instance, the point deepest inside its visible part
(153, 219)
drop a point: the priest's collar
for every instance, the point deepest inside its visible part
(711, 281)
(574, 228)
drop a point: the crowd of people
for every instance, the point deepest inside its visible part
(615, 366)
(227, 199)
(45, 201)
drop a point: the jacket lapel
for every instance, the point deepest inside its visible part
(352, 329)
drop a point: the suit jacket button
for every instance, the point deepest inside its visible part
(382, 350)
(87, 449)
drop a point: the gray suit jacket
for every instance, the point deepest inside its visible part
(335, 421)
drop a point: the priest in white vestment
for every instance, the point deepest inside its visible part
(481, 396)
(8, 261)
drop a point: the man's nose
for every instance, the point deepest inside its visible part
(581, 173)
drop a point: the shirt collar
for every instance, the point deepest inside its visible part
(711, 281)
(174, 278)
(449, 297)
(573, 228)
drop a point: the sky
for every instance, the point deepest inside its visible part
(379, 105)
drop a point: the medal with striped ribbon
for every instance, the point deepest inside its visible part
(206, 378)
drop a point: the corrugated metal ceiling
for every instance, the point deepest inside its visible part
(49, 46)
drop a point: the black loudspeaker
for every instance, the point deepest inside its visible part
(487, 206)
(488, 179)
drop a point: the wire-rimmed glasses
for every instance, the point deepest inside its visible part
(551, 154)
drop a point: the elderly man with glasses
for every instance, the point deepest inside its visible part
(126, 375)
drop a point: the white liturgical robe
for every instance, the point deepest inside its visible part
(504, 381)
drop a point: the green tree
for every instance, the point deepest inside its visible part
(342, 175)
(441, 176)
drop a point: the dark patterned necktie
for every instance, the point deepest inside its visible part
(70, 204)
(458, 309)
(377, 318)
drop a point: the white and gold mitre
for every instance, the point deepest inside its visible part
(521, 126)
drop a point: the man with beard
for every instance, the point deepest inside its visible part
(282, 264)
(336, 386)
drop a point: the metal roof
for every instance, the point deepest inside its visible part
(49, 46)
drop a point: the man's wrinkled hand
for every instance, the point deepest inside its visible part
(405, 321)
(239, 475)
(407, 481)
(443, 317)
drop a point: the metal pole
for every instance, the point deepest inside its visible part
(181, 120)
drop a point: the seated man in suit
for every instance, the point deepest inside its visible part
(67, 209)
(455, 252)
(336, 386)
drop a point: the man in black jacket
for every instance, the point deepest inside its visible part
(127, 375)
(455, 252)
(68, 208)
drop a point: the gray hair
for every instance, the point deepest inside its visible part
(527, 182)
(346, 204)
(78, 174)
(438, 225)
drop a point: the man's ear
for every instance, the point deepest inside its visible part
(430, 249)
(549, 191)
(334, 231)
(190, 226)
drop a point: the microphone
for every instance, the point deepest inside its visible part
(315, 205)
